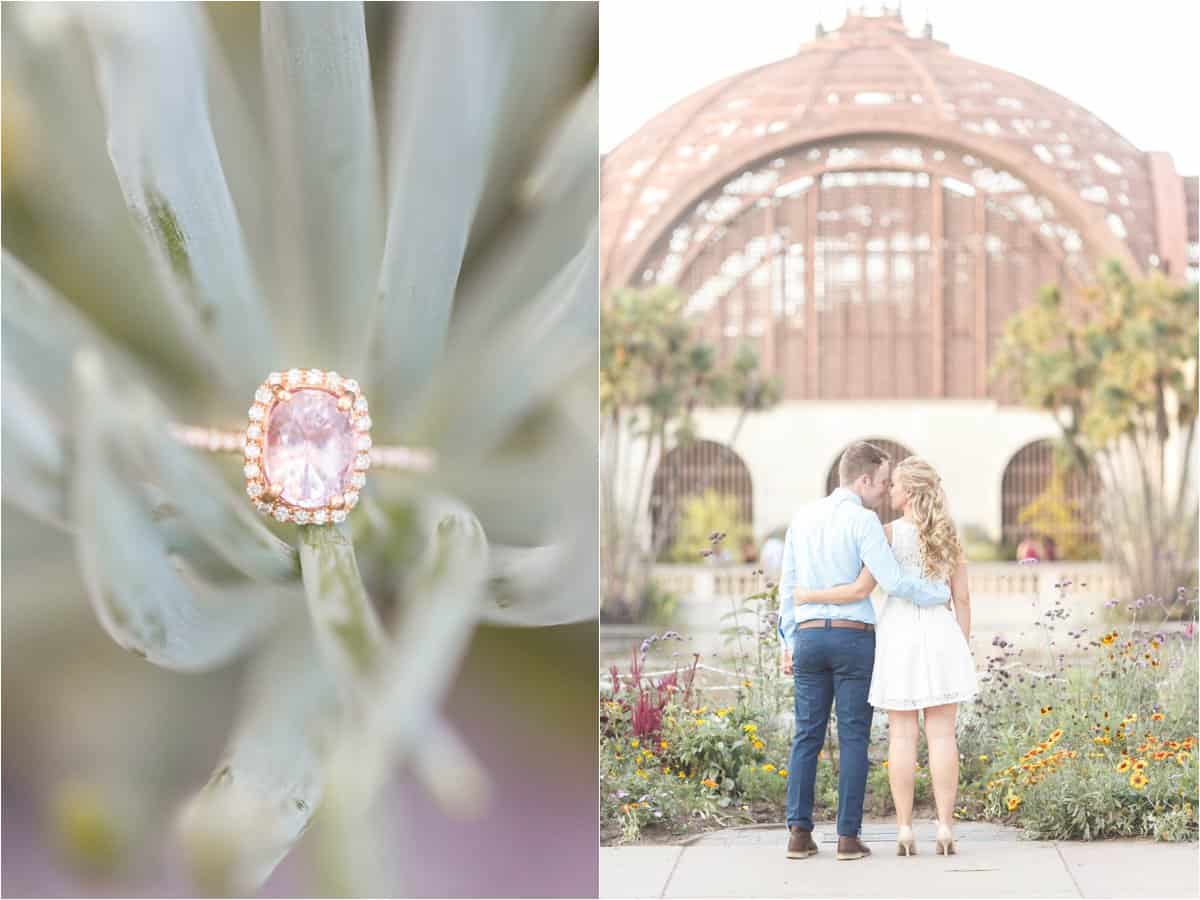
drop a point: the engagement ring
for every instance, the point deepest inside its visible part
(307, 446)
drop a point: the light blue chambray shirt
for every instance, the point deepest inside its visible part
(827, 544)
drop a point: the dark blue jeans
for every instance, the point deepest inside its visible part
(828, 664)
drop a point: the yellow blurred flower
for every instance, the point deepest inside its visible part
(983, 757)
(1013, 801)
(768, 768)
(1138, 781)
(709, 783)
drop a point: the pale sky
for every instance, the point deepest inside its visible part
(1132, 64)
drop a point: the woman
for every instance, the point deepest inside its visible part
(922, 660)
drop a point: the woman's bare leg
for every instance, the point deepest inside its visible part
(943, 758)
(902, 761)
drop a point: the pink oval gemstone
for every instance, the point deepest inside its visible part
(310, 448)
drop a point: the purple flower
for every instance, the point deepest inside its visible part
(1190, 631)
(1111, 603)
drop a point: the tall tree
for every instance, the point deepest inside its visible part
(1119, 375)
(655, 372)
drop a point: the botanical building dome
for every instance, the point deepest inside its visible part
(870, 211)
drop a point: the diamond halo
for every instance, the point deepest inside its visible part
(306, 446)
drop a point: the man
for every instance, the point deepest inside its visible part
(827, 544)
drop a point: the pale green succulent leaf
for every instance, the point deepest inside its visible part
(66, 216)
(175, 564)
(153, 77)
(348, 631)
(327, 172)
(557, 332)
(270, 781)
(41, 335)
(34, 458)
(443, 594)
(444, 132)
(542, 85)
(556, 212)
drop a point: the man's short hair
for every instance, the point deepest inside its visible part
(861, 458)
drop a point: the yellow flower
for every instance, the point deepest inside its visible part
(635, 743)
(749, 728)
(1046, 710)
(1055, 735)
(666, 770)
(1013, 802)
(758, 745)
(1108, 638)
(1124, 765)
(768, 767)
(682, 776)
(641, 773)
(1182, 757)
(709, 783)
(1161, 754)
(983, 757)
(663, 744)
(1157, 717)
(746, 684)
(1139, 764)
(884, 763)
(1138, 781)
(783, 773)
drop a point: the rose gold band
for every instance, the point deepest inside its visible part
(409, 459)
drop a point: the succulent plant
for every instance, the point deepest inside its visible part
(195, 197)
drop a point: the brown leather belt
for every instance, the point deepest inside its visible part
(835, 623)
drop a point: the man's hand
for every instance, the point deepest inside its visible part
(787, 662)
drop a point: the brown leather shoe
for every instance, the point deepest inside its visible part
(852, 848)
(800, 843)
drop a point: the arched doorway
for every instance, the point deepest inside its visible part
(688, 471)
(895, 451)
(1069, 510)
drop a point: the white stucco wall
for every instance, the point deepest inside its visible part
(790, 449)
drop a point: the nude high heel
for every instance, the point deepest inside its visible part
(906, 844)
(945, 840)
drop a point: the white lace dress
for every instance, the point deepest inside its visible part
(921, 656)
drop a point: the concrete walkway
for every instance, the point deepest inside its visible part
(991, 861)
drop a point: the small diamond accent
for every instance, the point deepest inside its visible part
(254, 432)
(339, 515)
(263, 395)
(301, 517)
(275, 379)
(362, 461)
(251, 470)
(351, 497)
(281, 513)
(363, 424)
(361, 403)
(350, 385)
(334, 381)
(295, 377)
(315, 376)
(358, 479)
(254, 489)
(363, 442)
(252, 451)
(257, 412)
(320, 517)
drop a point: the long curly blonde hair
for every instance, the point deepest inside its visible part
(940, 547)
